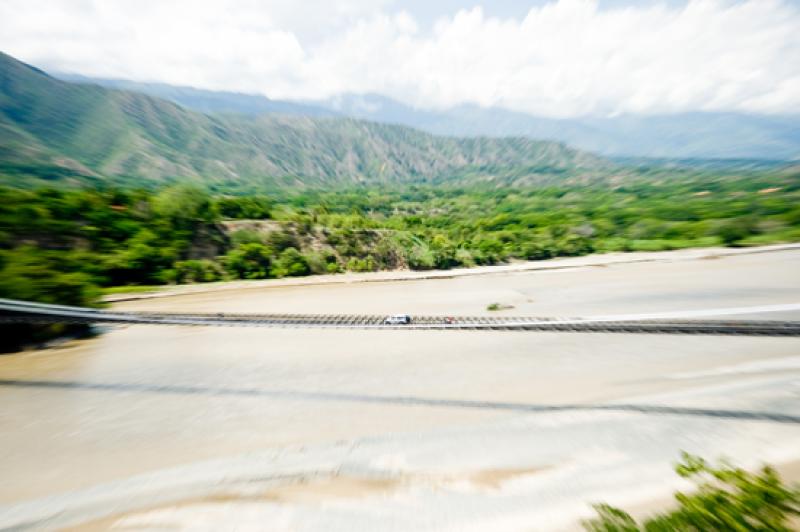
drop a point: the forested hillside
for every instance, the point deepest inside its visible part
(687, 135)
(54, 130)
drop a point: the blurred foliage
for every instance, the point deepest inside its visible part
(725, 498)
(36, 275)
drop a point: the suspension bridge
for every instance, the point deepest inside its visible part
(704, 322)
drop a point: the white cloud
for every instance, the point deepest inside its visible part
(565, 58)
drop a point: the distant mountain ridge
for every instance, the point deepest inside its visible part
(52, 129)
(205, 101)
(705, 135)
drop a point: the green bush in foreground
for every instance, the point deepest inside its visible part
(726, 498)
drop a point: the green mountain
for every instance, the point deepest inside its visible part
(687, 135)
(51, 129)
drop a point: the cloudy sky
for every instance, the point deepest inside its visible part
(546, 57)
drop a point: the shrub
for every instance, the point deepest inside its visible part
(321, 261)
(281, 240)
(198, 271)
(727, 498)
(290, 263)
(246, 236)
(421, 257)
(361, 265)
(464, 257)
(249, 261)
(734, 231)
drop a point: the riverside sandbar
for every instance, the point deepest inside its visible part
(142, 416)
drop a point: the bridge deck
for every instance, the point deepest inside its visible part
(13, 311)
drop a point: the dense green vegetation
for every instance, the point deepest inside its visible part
(60, 244)
(726, 498)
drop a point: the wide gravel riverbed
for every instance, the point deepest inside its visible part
(154, 427)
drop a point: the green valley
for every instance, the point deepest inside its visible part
(103, 188)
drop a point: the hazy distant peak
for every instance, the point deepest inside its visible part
(679, 135)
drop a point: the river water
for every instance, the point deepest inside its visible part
(153, 427)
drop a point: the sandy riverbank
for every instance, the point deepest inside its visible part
(187, 428)
(306, 490)
(598, 260)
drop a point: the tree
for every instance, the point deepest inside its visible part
(32, 275)
(141, 260)
(183, 205)
(197, 271)
(244, 208)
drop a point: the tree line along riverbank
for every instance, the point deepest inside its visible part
(67, 245)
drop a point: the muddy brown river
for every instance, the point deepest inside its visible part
(220, 428)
